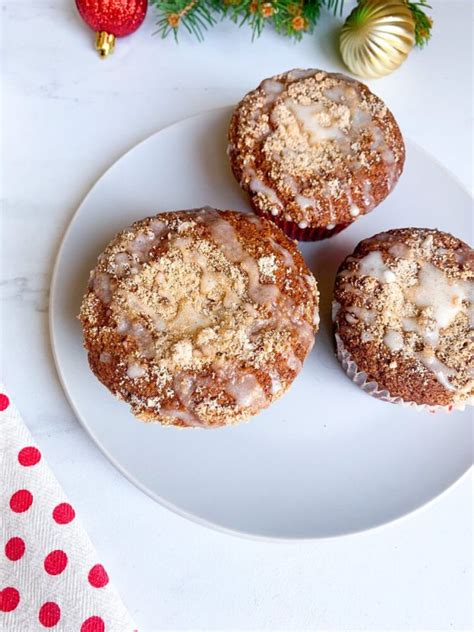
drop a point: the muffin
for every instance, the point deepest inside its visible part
(315, 151)
(403, 312)
(199, 318)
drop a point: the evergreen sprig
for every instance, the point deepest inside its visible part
(289, 17)
(423, 23)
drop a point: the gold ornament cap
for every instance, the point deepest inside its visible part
(104, 43)
(377, 37)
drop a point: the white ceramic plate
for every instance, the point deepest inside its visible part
(326, 459)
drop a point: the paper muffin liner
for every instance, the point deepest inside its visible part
(372, 388)
(294, 231)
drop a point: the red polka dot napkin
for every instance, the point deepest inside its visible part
(50, 574)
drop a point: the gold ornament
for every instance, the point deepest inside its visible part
(377, 37)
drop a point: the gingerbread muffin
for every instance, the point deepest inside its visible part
(404, 317)
(315, 151)
(199, 318)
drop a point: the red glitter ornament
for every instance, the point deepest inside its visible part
(111, 19)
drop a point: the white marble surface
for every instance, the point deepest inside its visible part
(67, 116)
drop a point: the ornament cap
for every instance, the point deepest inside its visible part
(104, 43)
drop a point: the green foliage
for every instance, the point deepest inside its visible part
(194, 16)
(289, 17)
(423, 23)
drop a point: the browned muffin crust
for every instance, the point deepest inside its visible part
(315, 148)
(199, 318)
(404, 311)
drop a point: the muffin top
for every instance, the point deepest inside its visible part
(199, 318)
(315, 148)
(404, 311)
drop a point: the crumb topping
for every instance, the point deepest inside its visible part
(408, 295)
(193, 325)
(267, 267)
(315, 147)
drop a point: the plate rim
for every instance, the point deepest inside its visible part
(154, 496)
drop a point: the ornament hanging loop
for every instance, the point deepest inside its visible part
(104, 43)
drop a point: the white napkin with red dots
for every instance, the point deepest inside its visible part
(50, 574)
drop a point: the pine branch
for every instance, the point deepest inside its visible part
(335, 6)
(194, 15)
(423, 23)
(289, 17)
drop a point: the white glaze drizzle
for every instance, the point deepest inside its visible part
(276, 384)
(182, 415)
(368, 316)
(309, 121)
(101, 285)
(394, 340)
(354, 210)
(257, 186)
(374, 266)
(135, 371)
(444, 296)
(272, 90)
(301, 73)
(441, 371)
(367, 195)
(246, 391)
(436, 297)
